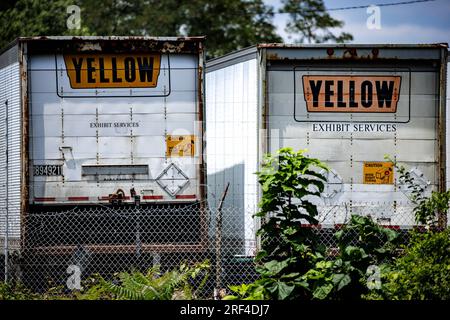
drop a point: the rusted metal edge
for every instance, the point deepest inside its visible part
(97, 38)
(24, 147)
(114, 44)
(262, 125)
(202, 156)
(442, 130)
(355, 52)
(342, 45)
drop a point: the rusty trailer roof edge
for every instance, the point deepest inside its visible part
(231, 58)
(104, 39)
(353, 45)
(248, 53)
(111, 38)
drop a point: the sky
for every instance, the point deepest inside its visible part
(427, 22)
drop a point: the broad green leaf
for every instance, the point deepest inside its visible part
(341, 280)
(274, 267)
(323, 291)
(284, 290)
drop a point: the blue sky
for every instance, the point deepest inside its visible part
(427, 22)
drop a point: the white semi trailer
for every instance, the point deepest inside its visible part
(348, 105)
(99, 121)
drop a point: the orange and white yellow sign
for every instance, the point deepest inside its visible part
(369, 94)
(87, 71)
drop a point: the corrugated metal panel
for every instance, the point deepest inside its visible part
(10, 142)
(4, 72)
(10, 56)
(232, 59)
(231, 127)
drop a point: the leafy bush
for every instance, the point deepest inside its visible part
(422, 273)
(15, 291)
(185, 282)
(289, 180)
(172, 285)
(292, 264)
(428, 210)
(363, 246)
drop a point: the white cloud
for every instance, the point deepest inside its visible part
(402, 33)
(398, 25)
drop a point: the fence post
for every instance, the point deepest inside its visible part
(219, 244)
(138, 230)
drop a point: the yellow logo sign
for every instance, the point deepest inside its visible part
(87, 71)
(180, 146)
(375, 94)
(378, 173)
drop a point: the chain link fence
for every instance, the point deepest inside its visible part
(111, 239)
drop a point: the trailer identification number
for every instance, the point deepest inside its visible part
(47, 170)
(87, 71)
(374, 94)
(378, 173)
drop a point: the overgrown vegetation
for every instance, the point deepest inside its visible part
(185, 282)
(367, 265)
(292, 263)
(429, 210)
(364, 248)
(290, 181)
(368, 262)
(422, 273)
(154, 285)
(15, 291)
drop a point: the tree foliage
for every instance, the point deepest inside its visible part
(310, 20)
(32, 18)
(422, 273)
(228, 24)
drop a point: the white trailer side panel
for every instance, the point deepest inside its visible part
(10, 159)
(231, 129)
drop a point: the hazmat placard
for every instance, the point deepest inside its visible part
(378, 173)
(180, 146)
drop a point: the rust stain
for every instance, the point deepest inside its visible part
(350, 54)
(24, 203)
(113, 44)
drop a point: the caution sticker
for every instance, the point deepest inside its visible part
(378, 173)
(180, 146)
